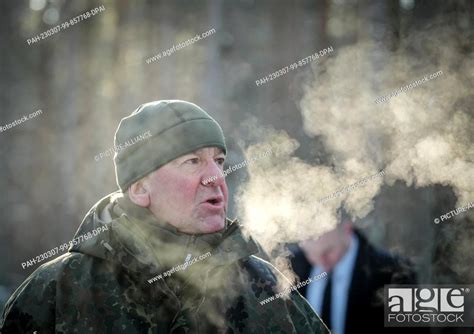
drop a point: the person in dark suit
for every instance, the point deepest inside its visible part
(350, 298)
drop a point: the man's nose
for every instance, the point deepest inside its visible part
(213, 175)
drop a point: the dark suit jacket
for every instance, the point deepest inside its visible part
(372, 270)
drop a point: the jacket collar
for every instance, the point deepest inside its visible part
(141, 243)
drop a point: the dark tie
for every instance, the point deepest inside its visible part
(326, 312)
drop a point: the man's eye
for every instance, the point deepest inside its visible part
(192, 161)
(220, 161)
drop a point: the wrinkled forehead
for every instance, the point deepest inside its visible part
(211, 150)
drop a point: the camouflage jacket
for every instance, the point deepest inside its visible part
(111, 283)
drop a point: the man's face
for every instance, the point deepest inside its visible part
(180, 196)
(328, 249)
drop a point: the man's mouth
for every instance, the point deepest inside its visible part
(214, 202)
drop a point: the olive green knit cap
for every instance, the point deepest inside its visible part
(158, 132)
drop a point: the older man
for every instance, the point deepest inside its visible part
(167, 259)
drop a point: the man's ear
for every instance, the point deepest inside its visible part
(138, 193)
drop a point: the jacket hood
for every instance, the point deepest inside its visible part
(132, 237)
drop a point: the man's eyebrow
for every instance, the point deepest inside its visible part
(188, 154)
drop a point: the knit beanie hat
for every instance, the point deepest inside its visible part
(158, 132)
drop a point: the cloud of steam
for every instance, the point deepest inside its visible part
(423, 136)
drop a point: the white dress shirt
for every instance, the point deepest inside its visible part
(341, 281)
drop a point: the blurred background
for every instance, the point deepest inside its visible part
(320, 120)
